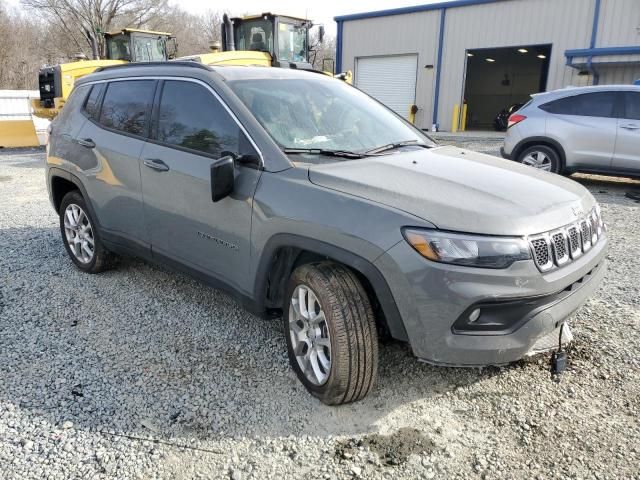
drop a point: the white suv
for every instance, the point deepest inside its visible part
(588, 129)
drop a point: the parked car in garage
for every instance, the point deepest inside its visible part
(501, 122)
(308, 200)
(580, 129)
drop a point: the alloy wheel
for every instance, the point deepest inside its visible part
(538, 160)
(79, 233)
(310, 336)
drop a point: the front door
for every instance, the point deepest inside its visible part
(627, 154)
(193, 130)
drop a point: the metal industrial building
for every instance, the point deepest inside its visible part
(488, 54)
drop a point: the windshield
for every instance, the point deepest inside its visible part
(319, 113)
(255, 35)
(292, 43)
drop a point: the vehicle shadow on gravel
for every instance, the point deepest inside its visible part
(146, 352)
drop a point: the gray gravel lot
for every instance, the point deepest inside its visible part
(143, 373)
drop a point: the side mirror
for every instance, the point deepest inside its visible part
(321, 34)
(222, 178)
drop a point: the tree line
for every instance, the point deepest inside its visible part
(48, 32)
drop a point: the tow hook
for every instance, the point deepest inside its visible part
(558, 359)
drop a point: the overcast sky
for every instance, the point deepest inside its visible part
(320, 11)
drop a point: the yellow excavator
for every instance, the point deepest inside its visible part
(266, 40)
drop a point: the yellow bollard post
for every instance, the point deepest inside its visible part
(413, 109)
(456, 117)
(463, 124)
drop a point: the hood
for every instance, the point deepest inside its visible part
(461, 190)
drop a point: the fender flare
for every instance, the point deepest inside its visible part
(352, 260)
(59, 172)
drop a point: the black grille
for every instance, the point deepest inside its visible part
(541, 252)
(560, 250)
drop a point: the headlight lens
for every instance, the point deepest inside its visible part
(470, 250)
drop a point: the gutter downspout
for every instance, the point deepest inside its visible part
(436, 95)
(592, 44)
(339, 47)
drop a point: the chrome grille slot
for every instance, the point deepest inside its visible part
(585, 232)
(594, 227)
(542, 253)
(575, 244)
(560, 248)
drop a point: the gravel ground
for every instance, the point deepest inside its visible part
(102, 377)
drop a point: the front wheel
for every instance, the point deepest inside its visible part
(331, 333)
(541, 157)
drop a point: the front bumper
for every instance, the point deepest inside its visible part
(432, 297)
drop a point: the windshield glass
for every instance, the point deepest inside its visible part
(148, 49)
(318, 113)
(292, 43)
(255, 35)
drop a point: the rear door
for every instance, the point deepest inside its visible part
(113, 139)
(586, 126)
(627, 153)
(390, 79)
(194, 129)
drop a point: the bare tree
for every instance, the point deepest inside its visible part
(80, 19)
(322, 51)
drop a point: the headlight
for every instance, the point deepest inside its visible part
(469, 250)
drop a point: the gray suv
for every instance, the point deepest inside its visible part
(306, 199)
(586, 129)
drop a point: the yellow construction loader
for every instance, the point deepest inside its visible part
(266, 39)
(127, 45)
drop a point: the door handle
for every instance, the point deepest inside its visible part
(630, 126)
(86, 142)
(156, 164)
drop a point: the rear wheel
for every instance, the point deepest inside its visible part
(80, 236)
(331, 333)
(541, 157)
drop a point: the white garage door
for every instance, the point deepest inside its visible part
(392, 80)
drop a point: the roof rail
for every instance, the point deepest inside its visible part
(177, 63)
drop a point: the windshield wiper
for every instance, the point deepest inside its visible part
(329, 153)
(391, 146)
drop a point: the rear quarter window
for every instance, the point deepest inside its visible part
(92, 105)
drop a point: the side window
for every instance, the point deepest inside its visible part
(631, 105)
(126, 106)
(598, 104)
(191, 117)
(92, 106)
(74, 102)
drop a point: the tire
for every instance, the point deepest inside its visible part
(542, 157)
(73, 226)
(349, 323)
